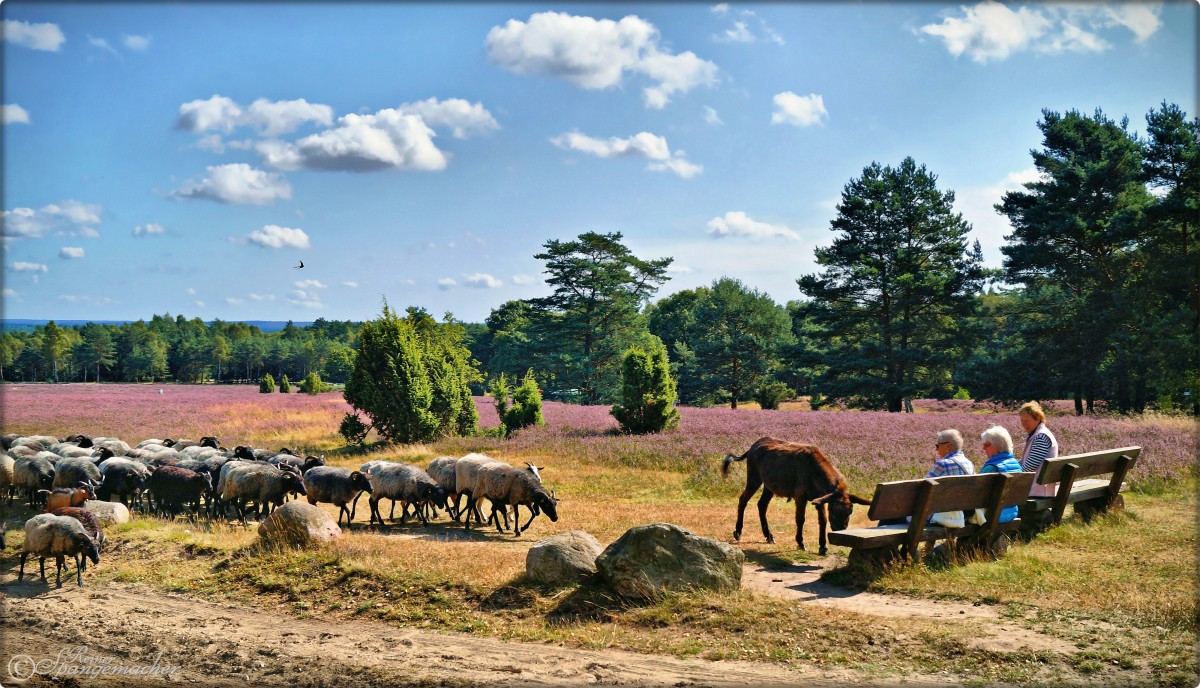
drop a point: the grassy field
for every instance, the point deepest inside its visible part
(1120, 592)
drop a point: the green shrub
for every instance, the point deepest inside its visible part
(353, 428)
(312, 384)
(962, 393)
(647, 391)
(770, 394)
(526, 407)
(267, 384)
(284, 386)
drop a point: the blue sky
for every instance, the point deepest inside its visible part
(184, 157)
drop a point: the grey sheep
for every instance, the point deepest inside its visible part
(515, 487)
(303, 463)
(441, 470)
(339, 486)
(47, 535)
(466, 472)
(90, 523)
(71, 472)
(31, 474)
(116, 446)
(407, 484)
(7, 479)
(258, 482)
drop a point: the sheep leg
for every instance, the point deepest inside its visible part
(24, 556)
(349, 517)
(469, 508)
(59, 563)
(801, 504)
(80, 565)
(374, 506)
(763, 501)
(533, 512)
(420, 509)
(354, 507)
(503, 510)
(516, 520)
(42, 562)
(455, 513)
(403, 512)
(821, 532)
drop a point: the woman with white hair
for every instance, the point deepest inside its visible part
(997, 445)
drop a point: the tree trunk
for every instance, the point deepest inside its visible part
(1078, 399)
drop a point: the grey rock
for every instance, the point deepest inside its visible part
(299, 523)
(563, 559)
(661, 557)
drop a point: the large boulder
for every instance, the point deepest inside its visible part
(563, 559)
(108, 513)
(299, 523)
(660, 557)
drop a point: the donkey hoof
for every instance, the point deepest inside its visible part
(823, 551)
(770, 540)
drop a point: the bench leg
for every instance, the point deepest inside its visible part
(1091, 508)
(1034, 522)
(874, 558)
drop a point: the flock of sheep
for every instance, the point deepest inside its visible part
(170, 477)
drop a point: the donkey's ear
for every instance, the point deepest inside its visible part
(821, 500)
(855, 499)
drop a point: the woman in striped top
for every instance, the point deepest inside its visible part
(1040, 444)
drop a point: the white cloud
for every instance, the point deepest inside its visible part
(990, 30)
(212, 143)
(14, 114)
(97, 301)
(445, 284)
(274, 236)
(738, 224)
(482, 280)
(642, 145)
(711, 116)
(721, 8)
(70, 217)
(199, 304)
(674, 269)
(800, 111)
(149, 229)
(597, 53)
(350, 283)
(522, 279)
(24, 266)
(239, 183)
(70, 252)
(35, 36)
(217, 112)
(309, 284)
(101, 44)
(364, 143)
(279, 154)
(412, 282)
(234, 301)
(9, 293)
(285, 116)
(261, 297)
(136, 42)
(190, 291)
(300, 297)
(456, 114)
(740, 33)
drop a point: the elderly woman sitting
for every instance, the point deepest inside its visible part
(997, 445)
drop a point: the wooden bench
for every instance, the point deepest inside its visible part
(922, 498)
(1076, 485)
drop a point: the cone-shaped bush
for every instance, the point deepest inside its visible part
(647, 391)
(267, 384)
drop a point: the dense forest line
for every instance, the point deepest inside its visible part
(1098, 300)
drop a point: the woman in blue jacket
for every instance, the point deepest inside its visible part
(998, 446)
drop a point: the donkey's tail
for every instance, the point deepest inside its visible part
(730, 458)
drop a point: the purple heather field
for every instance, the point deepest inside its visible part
(867, 446)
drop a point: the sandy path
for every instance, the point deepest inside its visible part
(220, 644)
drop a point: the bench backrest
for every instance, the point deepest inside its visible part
(951, 493)
(1092, 463)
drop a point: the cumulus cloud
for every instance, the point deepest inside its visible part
(261, 297)
(271, 118)
(274, 236)
(234, 301)
(70, 217)
(350, 283)
(305, 299)
(738, 33)
(199, 304)
(711, 116)
(190, 291)
(309, 284)
(597, 54)
(990, 30)
(25, 266)
(457, 115)
(44, 36)
(238, 183)
(720, 9)
(365, 143)
(9, 293)
(800, 111)
(738, 224)
(136, 43)
(446, 284)
(14, 114)
(70, 252)
(642, 145)
(482, 280)
(150, 229)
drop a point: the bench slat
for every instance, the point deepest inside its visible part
(889, 536)
(953, 493)
(1087, 465)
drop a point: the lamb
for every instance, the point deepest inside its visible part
(338, 486)
(173, 488)
(407, 484)
(91, 525)
(32, 474)
(515, 487)
(61, 497)
(261, 483)
(47, 535)
(71, 472)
